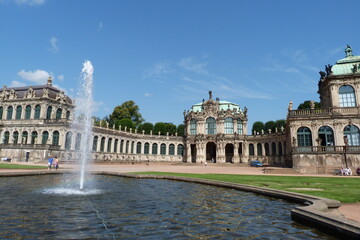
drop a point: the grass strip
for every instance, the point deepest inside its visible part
(344, 189)
(19, 166)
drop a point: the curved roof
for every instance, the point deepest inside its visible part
(348, 65)
(224, 105)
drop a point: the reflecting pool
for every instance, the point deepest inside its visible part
(44, 207)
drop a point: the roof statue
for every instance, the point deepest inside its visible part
(210, 94)
(348, 51)
(328, 69)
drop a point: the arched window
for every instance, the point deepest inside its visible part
(9, 113)
(95, 143)
(267, 149)
(280, 149)
(180, 150)
(58, 113)
(251, 149)
(353, 134)
(259, 149)
(138, 148)
(239, 127)
(122, 146)
(68, 140)
(229, 126)
(18, 112)
(273, 148)
(1, 112)
(45, 137)
(27, 112)
(347, 96)
(146, 148)
(16, 137)
(154, 148)
(171, 149)
(78, 141)
(210, 125)
(102, 144)
(163, 149)
(48, 112)
(24, 137)
(304, 137)
(109, 145)
(37, 112)
(67, 115)
(193, 126)
(34, 136)
(326, 135)
(132, 147)
(56, 136)
(127, 147)
(116, 145)
(6, 137)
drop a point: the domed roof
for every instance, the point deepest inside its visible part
(348, 65)
(223, 106)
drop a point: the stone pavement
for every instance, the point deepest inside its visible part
(351, 211)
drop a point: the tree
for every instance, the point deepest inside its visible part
(306, 105)
(181, 130)
(160, 127)
(257, 127)
(96, 121)
(147, 127)
(269, 125)
(280, 123)
(170, 128)
(127, 110)
(125, 122)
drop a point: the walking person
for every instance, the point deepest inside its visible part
(50, 162)
(56, 163)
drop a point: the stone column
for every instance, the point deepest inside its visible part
(245, 149)
(236, 158)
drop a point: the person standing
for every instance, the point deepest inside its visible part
(50, 162)
(56, 163)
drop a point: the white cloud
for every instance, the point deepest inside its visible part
(147, 94)
(30, 2)
(17, 84)
(193, 65)
(53, 42)
(100, 26)
(60, 77)
(157, 70)
(38, 76)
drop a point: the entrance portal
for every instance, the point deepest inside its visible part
(193, 153)
(229, 153)
(211, 152)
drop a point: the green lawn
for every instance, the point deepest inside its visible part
(344, 189)
(19, 166)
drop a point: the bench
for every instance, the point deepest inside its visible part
(337, 172)
(267, 170)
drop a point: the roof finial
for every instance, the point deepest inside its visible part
(49, 81)
(210, 94)
(348, 51)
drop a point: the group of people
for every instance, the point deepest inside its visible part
(346, 171)
(53, 163)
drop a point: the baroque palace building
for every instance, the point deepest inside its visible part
(35, 122)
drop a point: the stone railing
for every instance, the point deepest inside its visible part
(30, 146)
(325, 112)
(326, 149)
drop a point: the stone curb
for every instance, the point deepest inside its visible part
(321, 213)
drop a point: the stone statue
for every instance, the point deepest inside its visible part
(294, 141)
(210, 94)
(312, 104)
(355, 68)
(328, 69)
(46, 92)
(348, 51)
(322, 74)
(290, 106)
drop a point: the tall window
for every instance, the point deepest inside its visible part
(267, 149)
(9, 113)
(116, 145)
(68, 140)
(34, 136)
(37, 112)
(138, 148)
(146, 148)
(68, 115)
(304, 137)
(273, 148)
(95, 143)
(6, 137)
(16, 137)
(239, 127)
(251, 149)
(326, 135)
(210, 125)
(280, 149)
(48, 112)
(171, 149)
(121, 146)
(109, 145)
(78, 141)
(102, 144)
(1, 112)
(132, 147)
(56, 136)
(154, 148)
(193, 126)
(24, 137)
(45, 137)
(18, 112)
(347, 96)
(259, 149)
(180, 149)
(163, 149)
(27, 112)
(353, 134)
(229, 126)
(127, 147)
(58, 113)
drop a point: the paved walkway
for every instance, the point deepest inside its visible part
(351, 211)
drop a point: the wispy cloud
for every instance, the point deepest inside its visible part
(17, 84)
(30, 2)
(147, 94)
(157, 70)
(53, 42)
(193, 65)
(60, 77)
(38, 76)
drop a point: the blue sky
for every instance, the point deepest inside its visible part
(167, 54)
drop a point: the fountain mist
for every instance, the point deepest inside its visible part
(83, 118)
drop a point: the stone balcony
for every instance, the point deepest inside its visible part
(326, 149)
(326, 112)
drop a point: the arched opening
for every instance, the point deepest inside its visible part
(210, 125)
(102, 144)
(122, 146)
(6, 137)
(34, 136)
(273, 148)
(304, 137)
(24, 137)
(211, 152)
(259, 149)
(347, 96)
(58, 113)
(68, 140)
(229, 153)
(48, 112)
(132, 147)
(193, 126)
(109, 145)
(229, 125)
(127, 146)
(193, 153)
(45, 137)
(154, 148)
(180, 150)
(56, 136)
(37, 112)
(1, 112)
(16, 137)
(163, 149)
(78, 141)
(9, 113)
(146, 148)
(353, 135)
(116, 145)
(267, 149)
(171, 149)
(138, 148)
(326, 135)
(27, 112)
(251, 149)
(95, 143)
(18, 112)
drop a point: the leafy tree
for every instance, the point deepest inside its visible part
(280, 123)
(181, 130)
(269, 125)
(170, 128)
(257, 127)
(147, 127)
(96, 121)
(160, 127)
(125, 122)
(127, 110)
(306, 105)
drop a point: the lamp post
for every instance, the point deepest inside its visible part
(346, 141)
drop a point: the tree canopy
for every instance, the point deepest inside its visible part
(127, 110)
(306, 105)
(257, 127)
